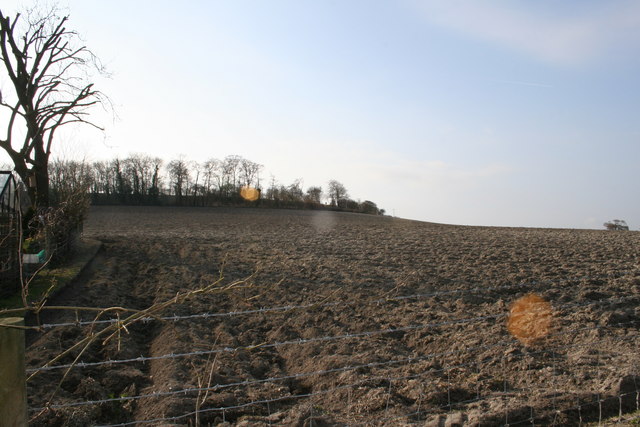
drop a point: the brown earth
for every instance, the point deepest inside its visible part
(394, 322)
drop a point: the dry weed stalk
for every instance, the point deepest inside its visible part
(4, 241)
(201, 385)
(25, 283)
(124, 317)
(114, 330)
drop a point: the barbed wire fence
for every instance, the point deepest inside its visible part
(585, 369)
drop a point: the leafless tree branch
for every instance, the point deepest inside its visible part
(48, 67)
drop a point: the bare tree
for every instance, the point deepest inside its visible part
(139, 168)
(154, 188)
(179, 175)
(250, 173)
(273, 192)
(68, 176)
(337, 192)
(314, 195)
(617, 224)
(132, 172)
(294, 191)
(123, 185)
(211, 174)
(230, 172)
(47, 68)
(103, 180)
(196, 187)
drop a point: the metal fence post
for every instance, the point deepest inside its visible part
(13, 385)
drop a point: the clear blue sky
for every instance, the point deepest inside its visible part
(513, 113)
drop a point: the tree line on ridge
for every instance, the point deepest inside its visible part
(140, 179)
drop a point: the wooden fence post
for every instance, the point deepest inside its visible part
(13, 385)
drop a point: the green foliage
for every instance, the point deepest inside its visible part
(31, 246)
(49, 281)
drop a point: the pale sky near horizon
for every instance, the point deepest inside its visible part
(513, 113)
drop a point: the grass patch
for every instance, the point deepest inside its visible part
(52, 280)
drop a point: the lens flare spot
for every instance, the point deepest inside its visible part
(530, 319)
(323, 221)
(250, 194)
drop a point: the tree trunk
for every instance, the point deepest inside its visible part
(41, 190)
(40, 171)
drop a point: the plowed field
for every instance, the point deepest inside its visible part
(345, 319)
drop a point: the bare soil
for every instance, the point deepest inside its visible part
(386, 322)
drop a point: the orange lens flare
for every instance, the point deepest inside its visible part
(530, 319)
(249, 194)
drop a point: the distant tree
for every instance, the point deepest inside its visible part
(137, 179)
(349, 204)
(617, 224)
(68, 176)
(273, 192)
(314, 195)
(211, 175)
(231, 174)
(294, 191)
(179, 177)
(141, 169)
(196, 188)
(369, 207)
(336, 192)
(45, 66)
(123, 187)
(156, 183)
(102, 178)
(250, 173)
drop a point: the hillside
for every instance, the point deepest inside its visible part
(346, 318)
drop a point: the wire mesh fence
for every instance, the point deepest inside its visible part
(459, 364)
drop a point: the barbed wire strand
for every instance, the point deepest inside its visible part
(300, 341)
(392, 362)
(476, 289)
(291, 397)
(273, 379)
(352, 385)
(176, 318)
(327, 338)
